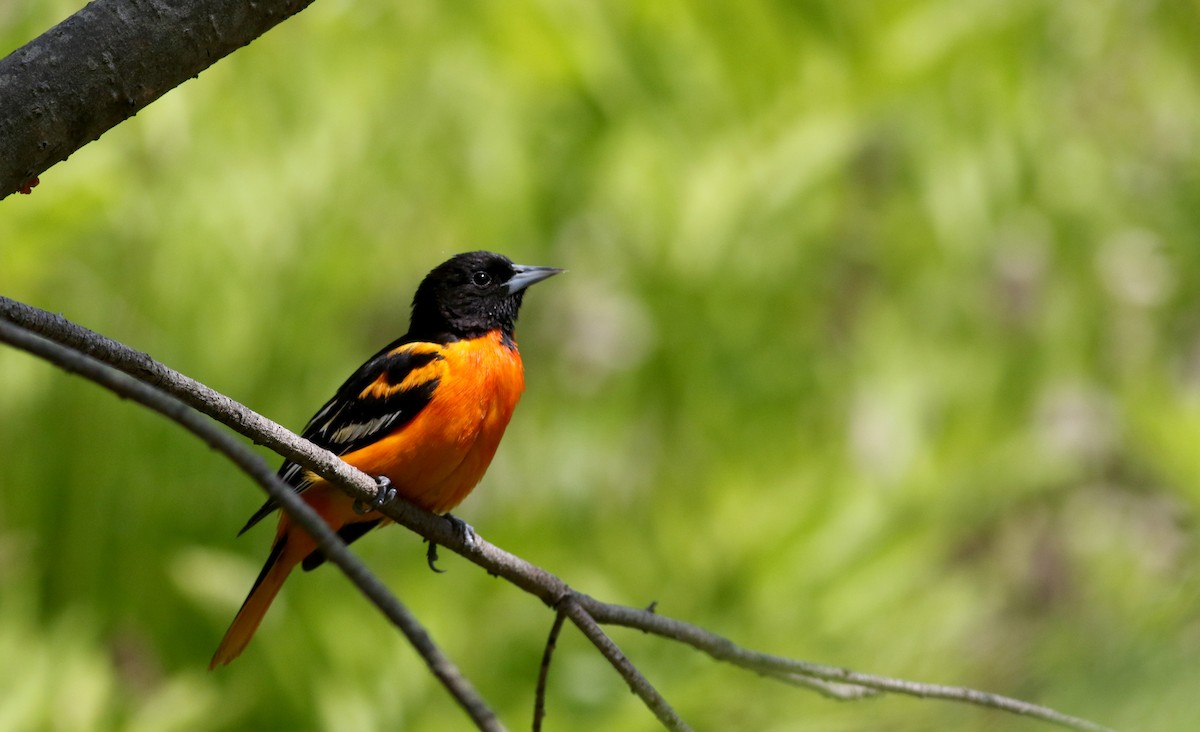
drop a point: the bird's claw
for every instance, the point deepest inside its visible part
(465, 531)
(384, 493)
(431, 557)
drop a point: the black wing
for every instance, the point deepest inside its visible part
(384, 394)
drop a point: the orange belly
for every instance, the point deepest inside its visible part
(439, 457)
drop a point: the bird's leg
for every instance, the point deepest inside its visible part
(465, 531)
(384, 493)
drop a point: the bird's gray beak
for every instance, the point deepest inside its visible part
(526, 276)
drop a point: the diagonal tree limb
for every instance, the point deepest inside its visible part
(529, 577)
(254, 466)
(191, 392)
(105, 63)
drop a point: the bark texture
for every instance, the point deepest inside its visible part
(106, 62)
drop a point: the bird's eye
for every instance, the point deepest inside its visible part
(481, 279)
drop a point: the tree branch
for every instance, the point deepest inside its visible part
(254, 466)
(105, 63)
(203, 399)
(531, 578)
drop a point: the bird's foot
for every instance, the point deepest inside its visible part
(431, 557)
(464, 530)
(384, 493)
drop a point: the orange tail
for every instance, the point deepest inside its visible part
(277, 568)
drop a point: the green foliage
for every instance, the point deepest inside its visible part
(879, 347)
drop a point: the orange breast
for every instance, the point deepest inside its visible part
(439, 457)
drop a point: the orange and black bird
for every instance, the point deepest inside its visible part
(425, 413)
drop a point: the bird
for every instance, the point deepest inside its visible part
(424, 415)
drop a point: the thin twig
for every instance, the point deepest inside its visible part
(779, 667)
(525, 575)
(828, 689)
(637, 682)
(539, 698)
(257, 468)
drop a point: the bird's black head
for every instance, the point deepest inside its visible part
(472, 294)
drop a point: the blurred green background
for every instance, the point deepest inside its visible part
(880, 347)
